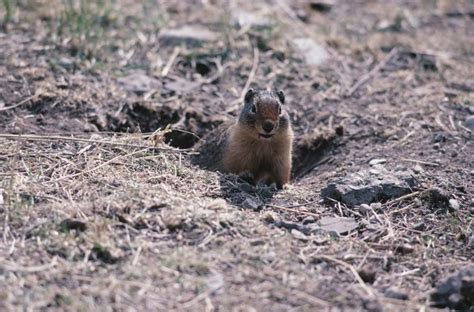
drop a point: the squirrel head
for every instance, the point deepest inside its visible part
(263, 113)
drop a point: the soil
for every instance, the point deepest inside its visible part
(102, 103)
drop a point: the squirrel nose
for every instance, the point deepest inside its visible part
(268, 126)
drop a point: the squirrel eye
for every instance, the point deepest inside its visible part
(253, 109)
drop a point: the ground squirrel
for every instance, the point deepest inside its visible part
(257, 146)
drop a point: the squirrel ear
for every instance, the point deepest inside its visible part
(281, 96)
(248, 96)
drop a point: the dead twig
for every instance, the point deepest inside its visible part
(293, 210)
(365, 78)
(168, 65)
(253, 71)
(350, 268)
(2, 109)
(427, 163)
(33, 137)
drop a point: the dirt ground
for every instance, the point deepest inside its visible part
(101, 103)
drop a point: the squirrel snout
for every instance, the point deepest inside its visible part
(268, 126)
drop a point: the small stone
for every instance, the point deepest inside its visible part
(72, 224)
(404, 249)
(436, 146)
(312, 52)
(246, 187)
(469, 123)
(395, 293)
(417, 202)
(456, 291)
(250, 203)
(308, 220)
(454, 204)
(364, 208)
(419, 226)
(418, 168)
(454, 154)
(377, 161)
(439, 138)
(376, 206)
(270, 217)
(298, 235)
(189, 34)
(367, 274)
(139, 83)
(340, 225)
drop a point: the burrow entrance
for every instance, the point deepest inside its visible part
(187, 126)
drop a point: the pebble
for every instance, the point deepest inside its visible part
(376, 206)
(418, 168)
(308, 220)
(299, 235)
(250, 204)
(454, 204)
(395, 293)
(469, 123)
(364, 208)
(377, 161)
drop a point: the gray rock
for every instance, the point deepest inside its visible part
(366, 186)
(364, 208)
(312, 52)
(340, 225)
(456, 292)
(396, 293)
(454, 204)
(257, 21)
(377, 161)
(252, 203)
(192, 35)
(298, 235)
(139, 83)
(469, 123)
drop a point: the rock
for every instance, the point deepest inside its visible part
(364, 208)
(418, 168)
(340, 225)
(257, 21)
(454, 204)
(377, 161)
(139, 83)
(251, 203)
(72, 224)
(376, 206)
(308, 220)
(469, 123)
(192, 35)
(404, 249)
(366, 186)
(298, 235)
(395, 293)
(312, 52)
(367, 274)
(455, 292)
(437, 196)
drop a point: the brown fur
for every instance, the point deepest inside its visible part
(265, 159)
(241, 147)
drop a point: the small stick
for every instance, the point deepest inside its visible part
(404, 197)
(421, 162)
(371, 73)
(33, 137)
(2, 109)
(168, 66)
(294, 210)
(350, 268)
(250, 78)
(8, 266)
